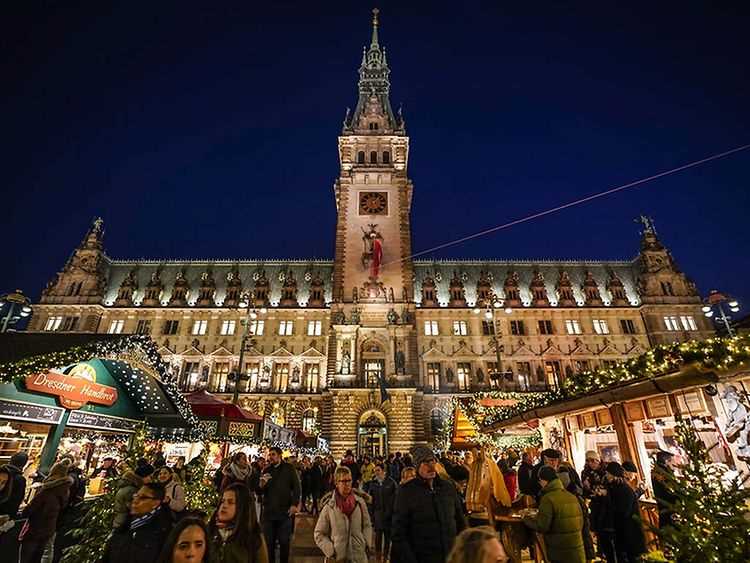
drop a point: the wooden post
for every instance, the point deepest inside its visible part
(625, 438)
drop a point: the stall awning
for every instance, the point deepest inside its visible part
(205, 405)
(128, 364)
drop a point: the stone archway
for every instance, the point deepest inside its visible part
(372, 433)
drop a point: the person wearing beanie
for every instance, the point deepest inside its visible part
(615, 513)
(559, 520)
(631, 478)
(427, 515)
(15, 468)
(42, 514)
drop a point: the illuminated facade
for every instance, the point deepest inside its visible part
(332, 329)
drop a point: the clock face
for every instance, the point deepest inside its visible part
(373, 203)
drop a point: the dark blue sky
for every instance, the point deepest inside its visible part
(208, 130)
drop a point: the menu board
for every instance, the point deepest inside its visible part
(14, 410)
(101, 421)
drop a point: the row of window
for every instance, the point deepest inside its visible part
(386, 157)
(217, 380)
(683, 322)
(518, 327)
(200, 327)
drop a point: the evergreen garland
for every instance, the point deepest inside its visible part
(95, 525)
(712, 518)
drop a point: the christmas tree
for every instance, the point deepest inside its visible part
(712, 518)
(95, 525)
(199, 490)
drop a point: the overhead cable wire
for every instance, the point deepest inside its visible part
(573, 203)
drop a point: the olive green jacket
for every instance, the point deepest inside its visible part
(560, 520)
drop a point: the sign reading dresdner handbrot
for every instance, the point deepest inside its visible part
(75, 389)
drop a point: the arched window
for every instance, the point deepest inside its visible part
(386, 157)
(373, 157)
(361, 157)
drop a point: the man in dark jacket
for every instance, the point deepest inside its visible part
(281, 496)
(665, 498)
(18, 491)
(427, 515)
(382, 489)
(524, 475)
(142, 537)
(629, 543)
(353, 466)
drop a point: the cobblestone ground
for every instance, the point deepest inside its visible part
(304, 549)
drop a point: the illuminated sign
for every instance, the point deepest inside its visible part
(74, 390)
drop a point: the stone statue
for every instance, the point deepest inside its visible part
(372, 254)
(400, 360)
(648, 224)
(738, 422)
(346, 360)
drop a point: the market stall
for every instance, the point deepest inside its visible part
(83, 395)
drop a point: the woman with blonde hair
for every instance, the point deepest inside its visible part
(344, 531)
(478, 545)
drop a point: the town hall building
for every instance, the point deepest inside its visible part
(326, 336)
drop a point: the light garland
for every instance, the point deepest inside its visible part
(140, 348)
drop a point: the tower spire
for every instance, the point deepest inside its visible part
(374, 41)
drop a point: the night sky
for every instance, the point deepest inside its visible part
(208, 129)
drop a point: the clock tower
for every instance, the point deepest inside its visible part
(373, 192)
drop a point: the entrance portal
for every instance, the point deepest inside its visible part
(372, 434)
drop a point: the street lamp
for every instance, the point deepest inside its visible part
(492, 302)
(714, 309)
(14, 306)
(247, 300)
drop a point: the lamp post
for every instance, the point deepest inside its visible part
(714, 307)
(491, 303)
(18, 306)
(248, 301)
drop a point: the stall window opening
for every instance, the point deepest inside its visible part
(116, 326)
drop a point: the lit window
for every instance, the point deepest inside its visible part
(309, 422)
(601, 326)
(688, 322)
(431, 328)
(573, 327)
(314, 328)
(463, 371)
(671, 323)
(227, 327)
(53, 323)
(286, 328)
(199, 328)
(115, 327)
(256, 328)
(460, 328)
(433, 375)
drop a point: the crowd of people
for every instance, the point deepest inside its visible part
(409, 508)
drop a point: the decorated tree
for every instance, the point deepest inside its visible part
(199, 490)
(711, 515)
(95, 525)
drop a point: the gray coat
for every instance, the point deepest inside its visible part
(342, 537)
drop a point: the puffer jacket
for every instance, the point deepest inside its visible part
(127, 487)
(426, 521)
(560, 520)
(45, 508)
(383, 496)
(342, 537)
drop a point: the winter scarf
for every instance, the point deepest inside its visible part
(346, 504)
(237, 472)
(143, 520)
